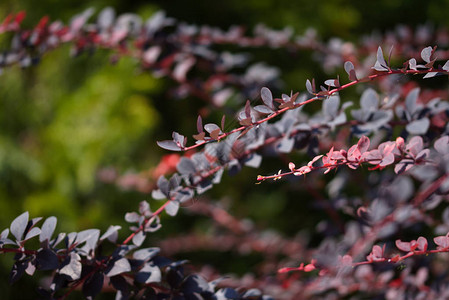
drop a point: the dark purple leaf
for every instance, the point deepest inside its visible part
(215, 134)
(412, 64)
(389, 55)
(179, 139)
(132, 217)
(410, 101)
(46, 259)
(172, 208)
(153, 226)
(248, 109)
(211, 128)
(431, 74)
(403, 166)
(59, 238)
(18, 269)
(18, 225)
(118, 267)
(173, 183)
(267, 97)
(286, 145)
(446, 66)
(199, 124)
(195, 284)
(223, 123)
(253, 160)
(90, 236)
(426, 53)
(227, 293)
(70, 239)
(48, 227)
(369, 101)
(32, 233)
(111, 234)
(381, 64)
(422, 155)
(332, 82)
(122, 287)
(149, 273)
(418, 126)
(158, 195)
(246, 122)
(144, 208)
(199, 136)
(442, 145)
(186, 166)
(72, 266)
(310, 86)
(330, 106)
(139, 238)
(252, 293)
(174, 275)
(263, 109)
(169, 145)
(93, 285)
(349, 68)
(146, 254)
(162, 184)
(4, 238)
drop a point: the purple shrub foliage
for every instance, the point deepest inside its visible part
(394, 136)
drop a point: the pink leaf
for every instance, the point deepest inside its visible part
(377, 251)
(387, 160)
(442, 241)
(291, 166)
(422, 243)
(182, 67)
(363, 144)
(314, 160)
(400, 143)
(403, 246)
(353, 152)
(309, 268)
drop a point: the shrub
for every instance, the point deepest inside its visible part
(380, 218)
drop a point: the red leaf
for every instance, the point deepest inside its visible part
(215, 133)
(199, 136)
(248, 109)
(223, 123)
(199, 124)
(19, 17)
(42, 23)
(7, 20)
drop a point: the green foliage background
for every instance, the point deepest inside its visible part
(67, 117)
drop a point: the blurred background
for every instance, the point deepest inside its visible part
(69, 122)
